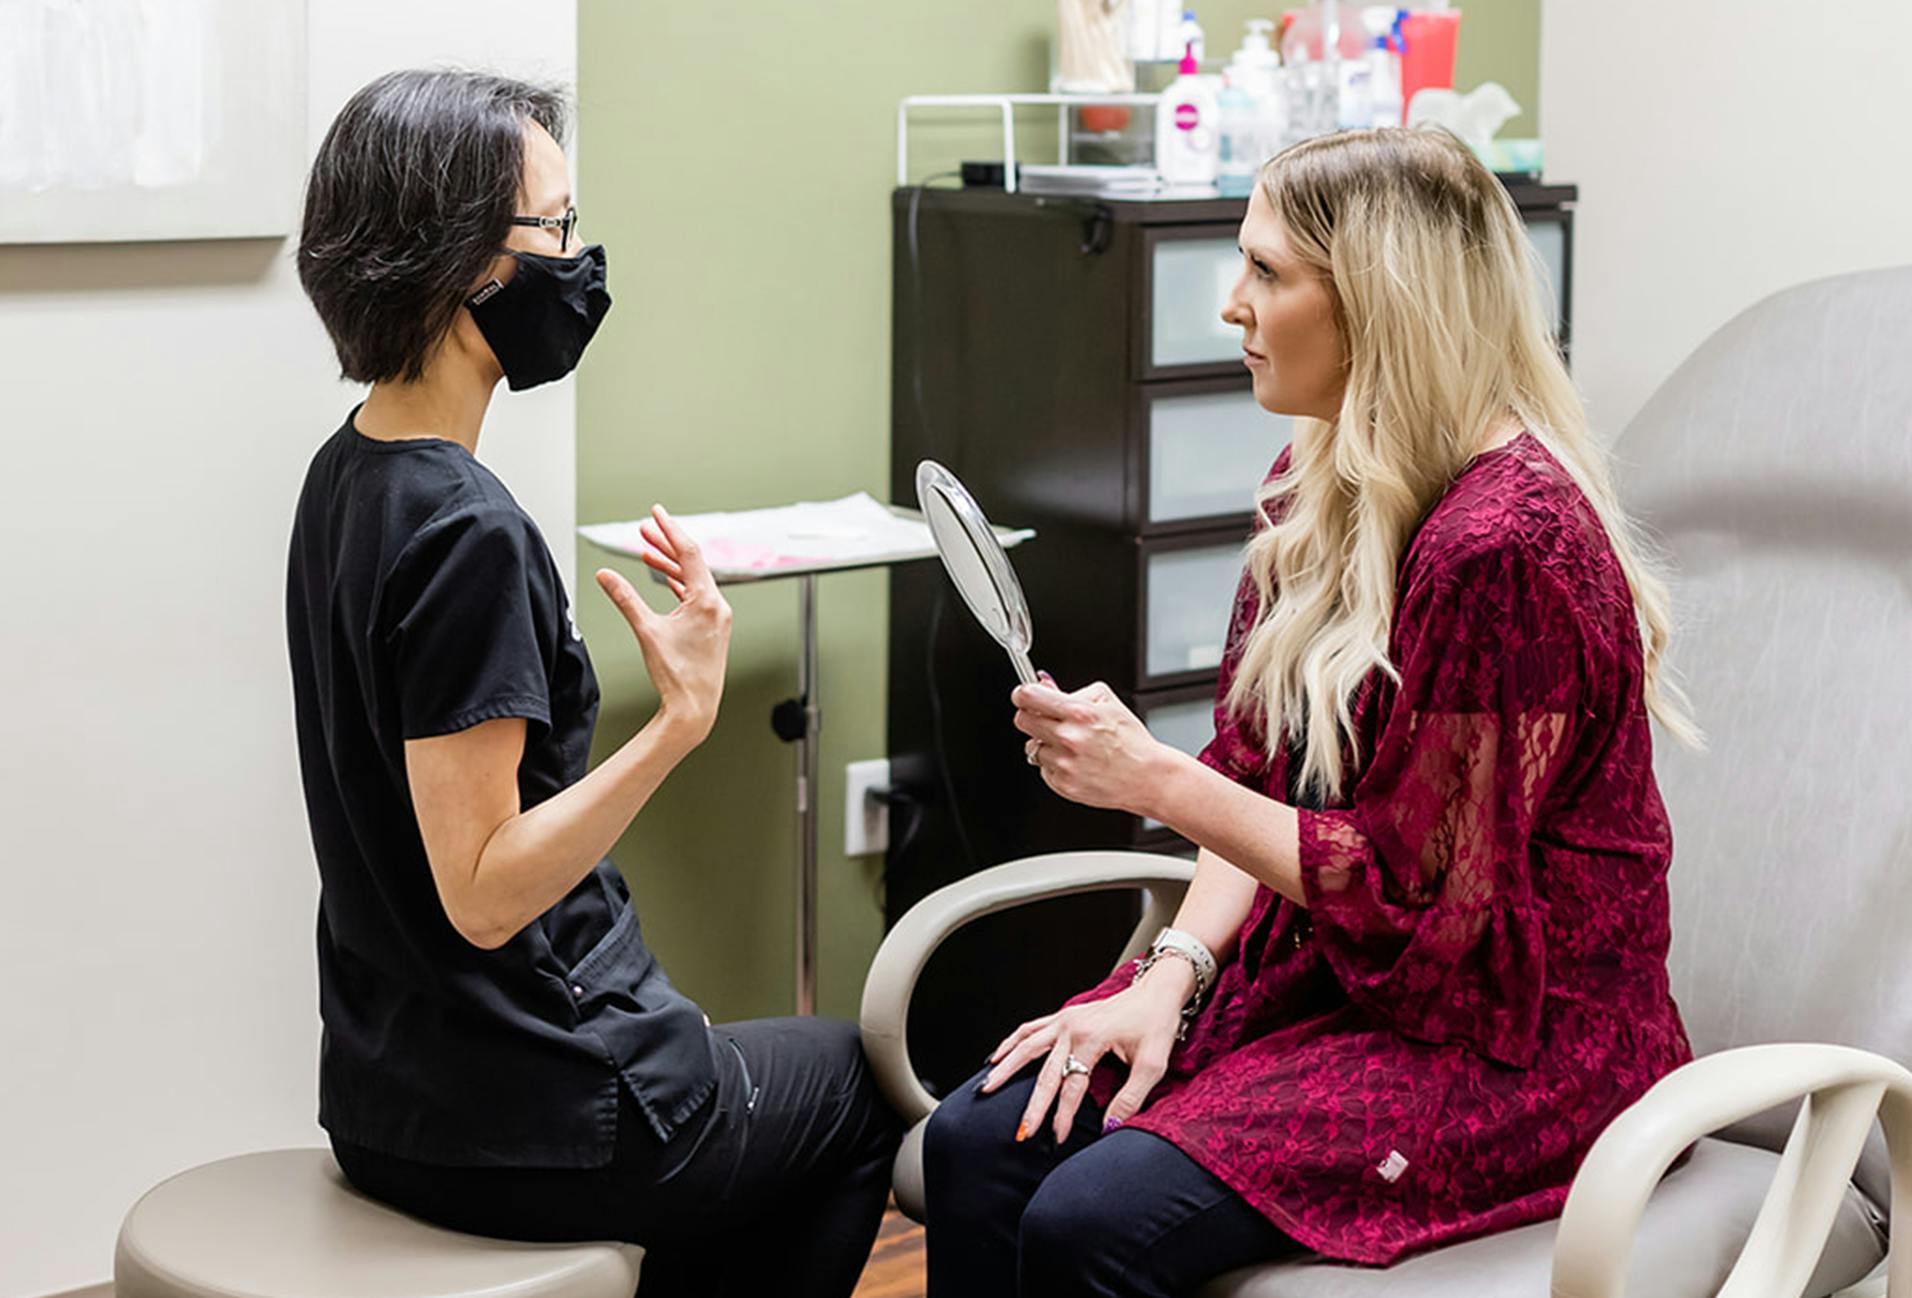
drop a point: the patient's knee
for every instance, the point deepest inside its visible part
(967, 1130)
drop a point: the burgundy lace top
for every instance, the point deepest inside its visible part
(1477, 984)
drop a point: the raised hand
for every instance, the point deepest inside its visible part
(685, 650)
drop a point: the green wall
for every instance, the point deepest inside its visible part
(1500, 41)
(736, 158)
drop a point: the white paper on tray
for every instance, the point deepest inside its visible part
(855, 529)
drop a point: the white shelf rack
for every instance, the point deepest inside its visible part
(1005, 106)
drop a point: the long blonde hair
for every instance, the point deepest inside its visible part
(1435, 291)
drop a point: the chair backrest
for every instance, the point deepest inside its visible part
(1776, 467)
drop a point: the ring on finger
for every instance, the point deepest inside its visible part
(1034, 752)
(1073, 1067)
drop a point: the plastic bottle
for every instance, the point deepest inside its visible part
(1316, 83)
(1189, 36)
(1354, 94)
(1238, 117)
(1384, 83)
(1277, 122)
(1168, 28)
(1251, 111)
(1187, 138)
(1255, 64)
(1145, 30)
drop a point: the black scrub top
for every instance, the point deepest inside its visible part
(421, 600)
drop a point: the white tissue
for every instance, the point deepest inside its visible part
(1475, 117)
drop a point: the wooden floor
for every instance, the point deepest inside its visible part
(896, 1264)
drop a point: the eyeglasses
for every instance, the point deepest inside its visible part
(565, 225)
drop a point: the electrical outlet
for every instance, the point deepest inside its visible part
(866, 821)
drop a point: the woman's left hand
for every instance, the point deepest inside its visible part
(1090, 748)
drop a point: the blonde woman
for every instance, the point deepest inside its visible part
(1423, 960)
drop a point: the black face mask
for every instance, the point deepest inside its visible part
(539, 322)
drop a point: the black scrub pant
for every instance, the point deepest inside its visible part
(777, 1187)
(1123, 1215)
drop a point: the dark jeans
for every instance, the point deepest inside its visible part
(1126, 1215)
(777, 1187)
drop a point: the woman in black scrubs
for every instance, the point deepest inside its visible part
(501, 1052)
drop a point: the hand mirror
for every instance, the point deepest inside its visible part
(977, 563)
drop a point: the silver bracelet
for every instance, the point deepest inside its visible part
(1184, 946)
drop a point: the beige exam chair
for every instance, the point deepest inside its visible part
(1776, 464)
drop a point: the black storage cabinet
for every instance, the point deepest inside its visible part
(1065, 358)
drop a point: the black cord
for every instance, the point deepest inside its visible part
(903, 802)
(914, 241)
(936, 726)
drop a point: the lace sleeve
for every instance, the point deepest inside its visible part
(1236, 750)
(1422, 891)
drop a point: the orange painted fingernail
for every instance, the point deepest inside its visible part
(1022, 1132)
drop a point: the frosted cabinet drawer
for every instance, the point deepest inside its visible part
(1208, 452)
(1187, 725)
(1189, 282)
(1549, 239)
(1184, 723)
(1187, 593)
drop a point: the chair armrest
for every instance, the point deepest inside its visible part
(907, 948)
(1842, 1089)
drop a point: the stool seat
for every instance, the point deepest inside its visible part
(285, 1224)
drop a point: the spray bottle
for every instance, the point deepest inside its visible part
(1384, 83)
(1189, 35)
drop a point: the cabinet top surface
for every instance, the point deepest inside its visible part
(1201, 210)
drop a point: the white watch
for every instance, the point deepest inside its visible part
(1191, 948)
(1185, 946)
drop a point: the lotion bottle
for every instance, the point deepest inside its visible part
(1187, 129)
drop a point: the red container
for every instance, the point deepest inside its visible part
(1430, 37)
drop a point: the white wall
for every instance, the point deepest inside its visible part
(1724, 150)
(158, 404)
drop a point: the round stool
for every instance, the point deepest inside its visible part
(284, 1224)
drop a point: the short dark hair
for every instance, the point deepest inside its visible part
(410, 197)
